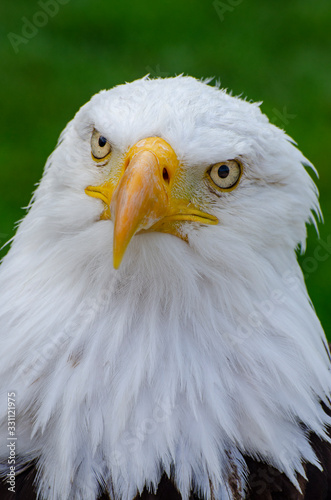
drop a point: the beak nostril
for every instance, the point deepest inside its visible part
(165, 175)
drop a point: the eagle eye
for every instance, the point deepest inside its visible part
(100, 147)
(226, 174)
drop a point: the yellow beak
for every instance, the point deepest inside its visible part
(142, 199)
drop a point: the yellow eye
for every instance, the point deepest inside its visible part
(100, 147)
(226, 174)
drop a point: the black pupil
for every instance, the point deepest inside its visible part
(223, 171)
(102, 141)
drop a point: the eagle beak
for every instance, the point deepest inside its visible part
(142, 200)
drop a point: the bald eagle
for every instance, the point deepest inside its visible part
(157, 338)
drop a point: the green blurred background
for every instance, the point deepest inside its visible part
(278, 52)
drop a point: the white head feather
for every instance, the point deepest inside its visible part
(190, 355)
